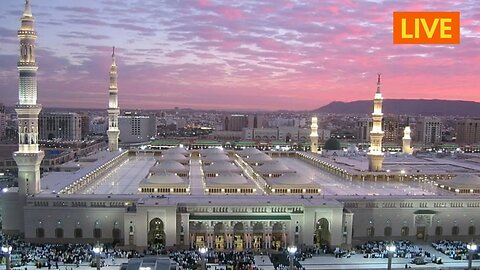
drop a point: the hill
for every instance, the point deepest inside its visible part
(406, 106)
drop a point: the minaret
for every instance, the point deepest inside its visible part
(314, 136)
(406, 148)
(375, 155)
(28, 157)
(113, 111)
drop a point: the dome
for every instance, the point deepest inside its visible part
(211, 151)
(176, 150)
(462, 181)
(165, 178)
(172, 156)
(261, 157)
(227, 179)
(249, 151)
(352, 148)
(290, 179)
(215, 157)
(221, 166)
(169, 166)
(273, 167)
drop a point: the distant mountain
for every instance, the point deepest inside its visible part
(406, 106)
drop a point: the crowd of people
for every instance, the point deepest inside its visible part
(51, 255)
(243, 260)
(456, 250)
(403, 249)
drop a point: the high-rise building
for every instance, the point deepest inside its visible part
(429, 130)
(85, 125)
(391, 129)
(60, 126)
(255, 121)
(29, 156)
(375, 154)
(468, 131)
(364, 126)
(3, 122)
(235, 122)
(113, 109)
(136, 128)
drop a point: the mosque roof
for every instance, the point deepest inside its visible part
(221, 166)
(462, 181)
(169, 166)
(274, 166)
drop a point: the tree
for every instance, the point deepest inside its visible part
(332, 144)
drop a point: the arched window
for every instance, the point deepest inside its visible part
(116, 233)
(40, 233)
(78, 233)
(371, 231)
(404, 231)
(59, 233)
(438, 231)
(387, 231)
(471, 230)
(455, 230)
(97, 231)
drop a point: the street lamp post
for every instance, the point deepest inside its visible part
(292, 250)
(203, 251)
(390, 249)
(472, 248)
(97, 250)
(7, 249)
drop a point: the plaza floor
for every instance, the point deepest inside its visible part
(124, 178)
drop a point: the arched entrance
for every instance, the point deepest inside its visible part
(156, 234)
(258, 235)
(238, 236)
(322, 233)
(198, 232)
(277, 236)
(219, 234)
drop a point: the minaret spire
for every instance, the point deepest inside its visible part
(314, 135)
(378, 82)
(28, 157)
(113, 110)
(27, 12)
(375, 154)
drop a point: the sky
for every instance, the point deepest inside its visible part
(236, 55)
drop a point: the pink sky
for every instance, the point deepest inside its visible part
(233, 55)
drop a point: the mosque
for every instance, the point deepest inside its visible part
(225, 199)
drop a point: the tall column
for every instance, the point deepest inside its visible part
(28, 157)
(113, 110)
(314, 135)
(375, 154)
(406, 147)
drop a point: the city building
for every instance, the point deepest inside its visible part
(135, 128)
(429, 130)
(364, 126)
(391, 129)
(3, 122)
(286, 134)
(235, 122)
(60, 126)
(468, 131)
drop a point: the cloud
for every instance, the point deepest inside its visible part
(238, 54)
